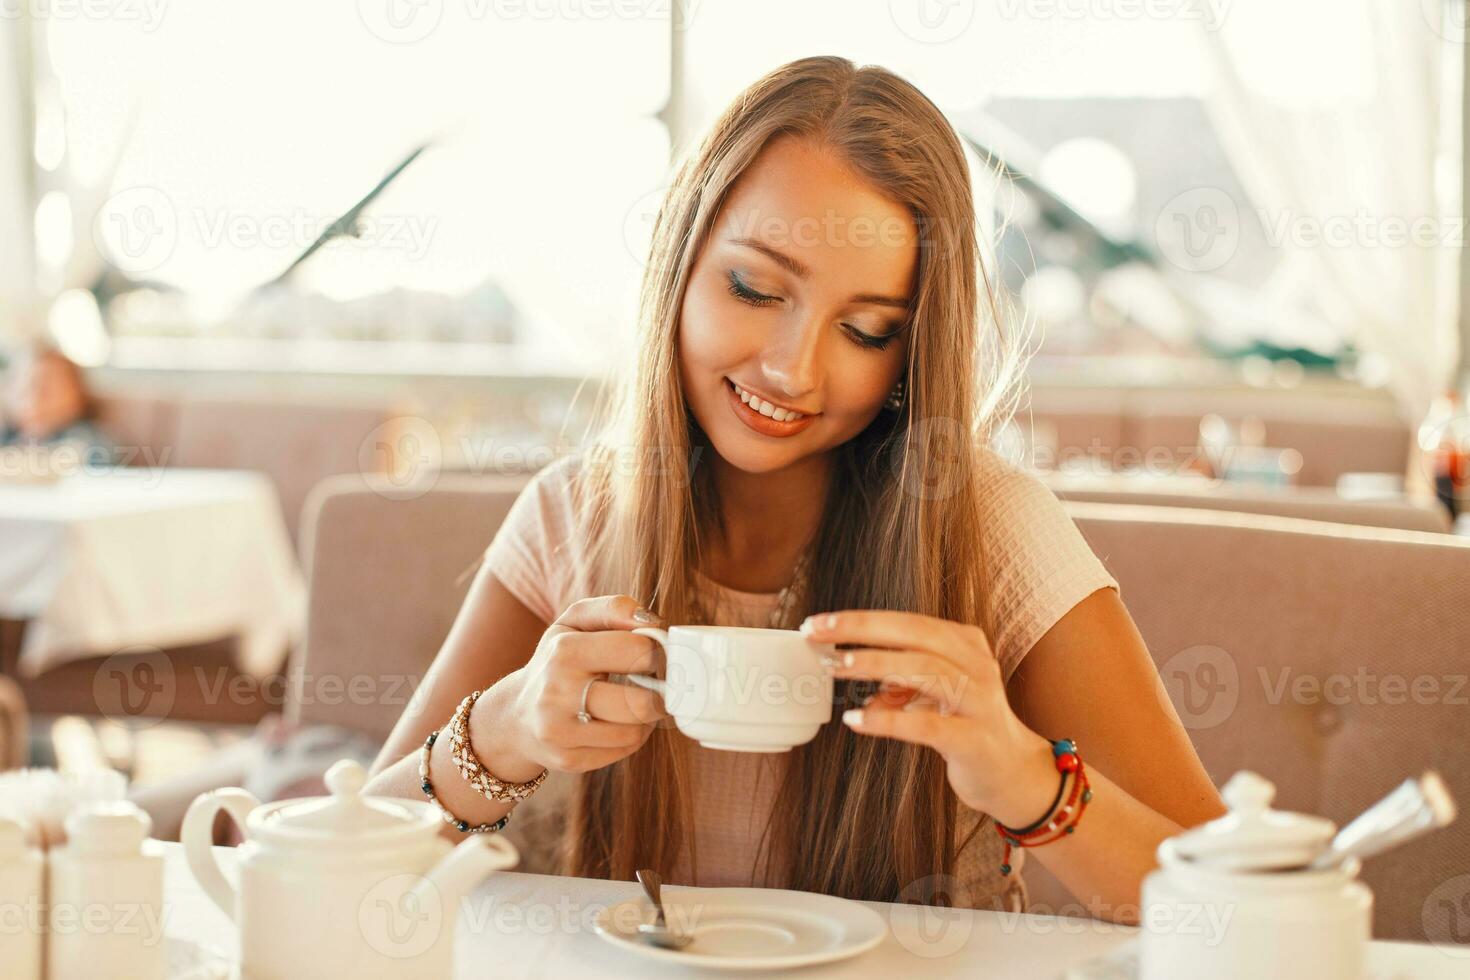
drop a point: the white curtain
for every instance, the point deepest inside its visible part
(19, 304)
(1337, 119)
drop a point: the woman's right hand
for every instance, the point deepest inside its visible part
(532, 711)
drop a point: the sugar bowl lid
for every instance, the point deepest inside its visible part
(1252, 836)
(346, 817)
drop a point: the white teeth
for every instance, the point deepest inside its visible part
(765, 407)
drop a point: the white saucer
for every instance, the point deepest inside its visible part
(748, 928)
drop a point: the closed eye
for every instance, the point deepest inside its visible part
(745, 294)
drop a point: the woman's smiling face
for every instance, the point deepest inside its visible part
(794, 299)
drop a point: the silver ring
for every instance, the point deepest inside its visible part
(582, 715)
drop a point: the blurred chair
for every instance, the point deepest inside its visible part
(296, 444)
(1309, 503)
(1328, 658)
(386, 578)
(142, 428)
(14, 727)
(1336, 432)
(386, 575)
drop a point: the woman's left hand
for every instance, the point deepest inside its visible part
(941, 687)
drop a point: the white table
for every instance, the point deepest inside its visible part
(540, 926)
(112, 559)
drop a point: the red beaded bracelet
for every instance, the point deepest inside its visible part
(1050, 828)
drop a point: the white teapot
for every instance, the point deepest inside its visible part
(1232, 898)
(347, 884)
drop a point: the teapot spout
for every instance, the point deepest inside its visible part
(459, 871)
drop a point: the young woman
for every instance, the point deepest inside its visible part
(805, 430)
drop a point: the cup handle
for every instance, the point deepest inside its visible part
(654, 684)
(196, 833)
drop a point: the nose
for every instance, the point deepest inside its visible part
(792, 363)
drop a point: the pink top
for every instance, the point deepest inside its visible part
(1043, 568)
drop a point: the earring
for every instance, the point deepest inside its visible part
(894, 401)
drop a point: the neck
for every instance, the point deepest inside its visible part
(768, 519)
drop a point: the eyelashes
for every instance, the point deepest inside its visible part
(745, 294)
(741, 291)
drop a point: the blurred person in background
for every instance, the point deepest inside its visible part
(46, 404)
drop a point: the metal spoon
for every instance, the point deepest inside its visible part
(658, 932)
(1416, 807)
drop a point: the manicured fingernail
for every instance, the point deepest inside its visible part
(848, 660)
(824, 621)
(852, 716)
(644, 616)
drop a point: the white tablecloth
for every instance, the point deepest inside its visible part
(127, 559)
(539, 926)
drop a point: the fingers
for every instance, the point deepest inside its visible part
(608, 652)
(604, 612)
(606, 735)
(927, 675)
(624, 704)
(882, 627)
(920, 727)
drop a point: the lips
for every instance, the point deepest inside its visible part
(764, 424)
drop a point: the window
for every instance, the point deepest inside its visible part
(216, 141)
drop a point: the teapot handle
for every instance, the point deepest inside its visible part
(197, 835)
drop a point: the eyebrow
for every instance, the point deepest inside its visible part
(801, 271)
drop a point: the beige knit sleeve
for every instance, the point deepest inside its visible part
(1039, 564)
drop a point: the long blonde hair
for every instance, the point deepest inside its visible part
(904, 489)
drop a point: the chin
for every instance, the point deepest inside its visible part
(748, 457)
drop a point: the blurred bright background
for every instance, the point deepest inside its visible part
(1180, 164)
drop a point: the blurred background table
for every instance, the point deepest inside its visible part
(101, 561)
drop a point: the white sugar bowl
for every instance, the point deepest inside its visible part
(1232, 898)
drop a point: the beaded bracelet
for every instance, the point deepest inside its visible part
(1051, 828)
(463, 826)
(470, 767)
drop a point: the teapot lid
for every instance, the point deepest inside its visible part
(346, 815)
(1252, 836)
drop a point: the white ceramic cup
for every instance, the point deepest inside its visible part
(743, 689)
